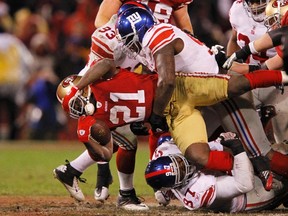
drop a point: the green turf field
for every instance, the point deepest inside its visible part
(26, 168)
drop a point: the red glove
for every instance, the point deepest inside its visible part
(68, 97)
(84, 125)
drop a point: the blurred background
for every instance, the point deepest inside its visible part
(43, 41)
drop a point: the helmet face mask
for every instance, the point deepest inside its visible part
(168, 172)
(255, 9)
(78, 103)
(275, 10)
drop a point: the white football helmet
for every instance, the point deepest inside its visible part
(80, 104)
(274, 12)
(256, 9)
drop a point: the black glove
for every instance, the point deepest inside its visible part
(232, 141)
(158, 123)
(139, 129)
(285, 51)
(220, 55)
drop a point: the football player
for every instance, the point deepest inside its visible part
(120, 104)
(165, 11)
(170, 172)
(166, 49)
(276, 16)
(104, 45)
(241, 119)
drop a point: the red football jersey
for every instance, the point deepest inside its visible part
(163, 9)
(120, 102)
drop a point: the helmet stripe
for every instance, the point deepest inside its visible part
(156, 173)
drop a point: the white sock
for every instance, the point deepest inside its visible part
(82, 162)
(125, 181)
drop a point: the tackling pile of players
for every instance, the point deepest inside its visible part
(146, 76)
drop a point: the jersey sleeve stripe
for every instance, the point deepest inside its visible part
(207, 197)
(161, 37)
(101, 48)
(163, 43)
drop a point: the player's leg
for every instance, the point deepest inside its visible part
(189, 133)
(70, 173)
(125, 162)
(279, 100)
(103, 180)
(258, 79)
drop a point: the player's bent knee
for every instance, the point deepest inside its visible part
(198, 153)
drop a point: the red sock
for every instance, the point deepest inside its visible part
(279, 164)
(264, 78)
(220, 160)
(125, 161)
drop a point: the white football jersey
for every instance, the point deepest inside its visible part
(195, 56)
(202, 190)
(199, 192)
(248, 30)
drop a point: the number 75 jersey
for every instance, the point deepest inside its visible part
(119, 102)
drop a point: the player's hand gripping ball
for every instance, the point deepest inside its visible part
(95, 129)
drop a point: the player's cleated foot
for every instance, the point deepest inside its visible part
(104, 179)
(69, 177)
(129, 201)
(101, 194)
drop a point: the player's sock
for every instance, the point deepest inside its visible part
(279, 164)
(264, 78)
(125, 181)
(220, 160)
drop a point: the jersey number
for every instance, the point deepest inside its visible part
(109, 33)
(140, 110)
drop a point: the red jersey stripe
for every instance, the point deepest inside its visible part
(101, 48)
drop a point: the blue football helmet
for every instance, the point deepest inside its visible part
(168, 172)
(164, 138)
(132, 25)
(132, 4)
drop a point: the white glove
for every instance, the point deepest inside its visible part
(228, 63)
(162, 197)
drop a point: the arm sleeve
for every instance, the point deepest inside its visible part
(277, 34)
(241, 182)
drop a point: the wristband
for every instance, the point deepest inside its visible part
(252, 48)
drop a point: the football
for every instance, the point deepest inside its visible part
(100, 132)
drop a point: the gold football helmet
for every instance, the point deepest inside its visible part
(256, 9)
(274, 12)
(80, 104)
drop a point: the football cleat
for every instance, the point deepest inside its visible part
(69, 177)
(129, 201)
(101, 194)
